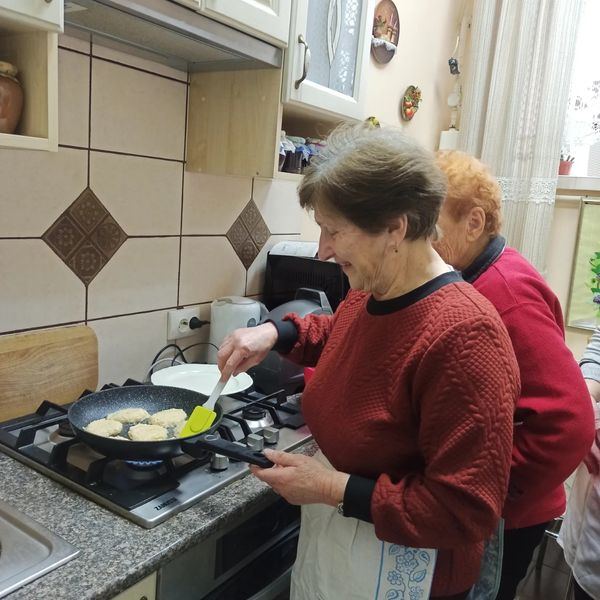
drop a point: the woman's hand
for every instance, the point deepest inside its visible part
(244, 348)
(302, 480)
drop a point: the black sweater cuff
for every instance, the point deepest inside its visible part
(287, 335)
(357, 498)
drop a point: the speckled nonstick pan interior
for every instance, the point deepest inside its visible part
(153, 398)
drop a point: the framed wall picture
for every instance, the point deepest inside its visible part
(386, 31)
(583, 310)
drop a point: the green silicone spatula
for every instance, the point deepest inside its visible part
(200, 420)
(202, 417)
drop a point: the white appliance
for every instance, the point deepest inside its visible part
(229, 313)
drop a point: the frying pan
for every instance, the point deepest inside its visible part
(153, 398)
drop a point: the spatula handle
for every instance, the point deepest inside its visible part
(214, 395)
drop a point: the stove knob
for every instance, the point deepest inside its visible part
(256, 442)
(271, 435)
(219, 462)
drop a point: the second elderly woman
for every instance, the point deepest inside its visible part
(412, 398)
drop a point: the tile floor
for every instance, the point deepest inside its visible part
(551, 581)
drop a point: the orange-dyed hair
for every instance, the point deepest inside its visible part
(470, 184)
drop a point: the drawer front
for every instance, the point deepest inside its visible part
(39, 14)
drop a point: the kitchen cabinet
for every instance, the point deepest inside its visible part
(142, 590)
(35, 14)
(267, 19)
(327, 57)
(28, 40)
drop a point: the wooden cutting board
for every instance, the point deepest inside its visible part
(53, 364)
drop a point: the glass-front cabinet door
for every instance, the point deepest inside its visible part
(328, 52)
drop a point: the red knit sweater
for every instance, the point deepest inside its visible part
(554, 422)
(419, 399)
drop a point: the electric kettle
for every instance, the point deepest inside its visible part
(229, 313)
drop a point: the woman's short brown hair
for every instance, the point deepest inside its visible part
(371, 176)
(471, 184)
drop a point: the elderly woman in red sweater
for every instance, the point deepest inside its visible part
(412, 398)
(554, 424)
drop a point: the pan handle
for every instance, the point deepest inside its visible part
(209, 441)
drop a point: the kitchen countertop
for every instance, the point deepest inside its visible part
(114, 552)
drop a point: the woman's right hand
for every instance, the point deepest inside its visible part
(244, 348)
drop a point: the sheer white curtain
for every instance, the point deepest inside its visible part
(515, 94)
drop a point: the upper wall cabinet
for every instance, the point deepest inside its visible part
(269, 19)
(266, 19)
(327, 57)
(28, 41)
(38, 14)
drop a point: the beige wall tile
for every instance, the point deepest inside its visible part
(211, 204)
(142, 275)
(37, 289)
(66, 40)
(256, 272)
(73, 96)
(137, 112)
(37, 187)
(127, 345)
(309, 230)
(209, 269)
(142, 194)
(135, 61)
(277, 201)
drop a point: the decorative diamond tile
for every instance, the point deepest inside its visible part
(237, 235)
(85, 236)
(64, 236)
(250, 215)
(261, 234)
(248, 253)
(108, 236)
(248, 234)
(87, 211)
(87, 262)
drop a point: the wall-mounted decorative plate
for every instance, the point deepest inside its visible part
(386, 31)
(410, 102)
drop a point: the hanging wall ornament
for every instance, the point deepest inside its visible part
(410, 102)
(386, 30)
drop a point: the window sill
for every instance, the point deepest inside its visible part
(570, 184)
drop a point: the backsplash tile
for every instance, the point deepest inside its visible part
(74, 105)
(111, 230)
(85, 236)
(137, 112)
(37, 187)
(210, 268)
(277, 201)
(142, 194)
(211, 204)
(248, 234)
(38, 290)
(142, 276)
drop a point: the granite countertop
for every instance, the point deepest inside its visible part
(114, 552)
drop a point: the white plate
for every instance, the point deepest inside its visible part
(199, 378)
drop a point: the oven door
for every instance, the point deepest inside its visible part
(250, 560)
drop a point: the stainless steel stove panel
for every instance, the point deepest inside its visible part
(195, 480)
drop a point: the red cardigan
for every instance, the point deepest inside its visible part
(554, 422)
(417, 394)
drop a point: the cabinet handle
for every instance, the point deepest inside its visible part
(302, 41)
(143, 597)
(48, 1)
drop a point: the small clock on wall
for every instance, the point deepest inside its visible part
(386, 31)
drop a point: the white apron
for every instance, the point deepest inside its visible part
(341, 557)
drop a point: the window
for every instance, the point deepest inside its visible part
(581, 135)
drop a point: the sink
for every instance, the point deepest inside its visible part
(27, 549)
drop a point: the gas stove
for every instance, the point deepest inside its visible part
(150, 492)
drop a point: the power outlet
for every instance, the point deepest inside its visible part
(178, 322)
